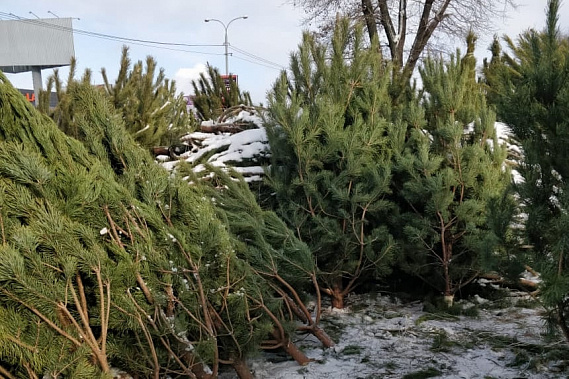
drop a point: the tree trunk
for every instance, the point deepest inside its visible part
(241, 368)
(447, 256)
(337, 293)
(449, 300)
(197, 368)
(221, 128)
(369, 17)
(322, 336)
(312, 326)
(562, 319)
(292, 350)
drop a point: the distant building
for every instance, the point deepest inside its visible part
(31, 97)
(35, 44)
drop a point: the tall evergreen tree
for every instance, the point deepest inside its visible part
(531, 87)
(452, 167)
(332, 130)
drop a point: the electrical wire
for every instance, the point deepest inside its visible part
(256, 57)
(173, 46)
(257, 63)
(95, 34)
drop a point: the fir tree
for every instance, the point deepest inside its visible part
(332, 130)
(452, 167)
(532, 96)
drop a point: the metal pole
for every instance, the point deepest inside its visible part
(37, 81)
(226, 53)
(226, 43)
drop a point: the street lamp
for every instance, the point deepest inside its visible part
(226, 42)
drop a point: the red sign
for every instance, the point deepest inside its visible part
(227, 80)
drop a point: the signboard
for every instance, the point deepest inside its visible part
(227, 80)
(31, 97)
(42, 43)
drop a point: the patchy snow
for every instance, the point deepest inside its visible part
(380, 338)
(247, 117)
(245, 151)
(247, 144)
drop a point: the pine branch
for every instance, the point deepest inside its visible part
(43, 318)
(6, 373)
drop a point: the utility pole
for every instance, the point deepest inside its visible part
(226, 43)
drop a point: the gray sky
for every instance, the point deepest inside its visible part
(264, 40)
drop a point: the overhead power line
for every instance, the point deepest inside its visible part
(262, 61)
(173, 46)
(257, 63)
(39, 22)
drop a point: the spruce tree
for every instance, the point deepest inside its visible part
(531, 86)
(332, 130)
(451, 169)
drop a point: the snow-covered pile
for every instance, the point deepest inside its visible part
(381, 338)
(515, 152)
(246, 150)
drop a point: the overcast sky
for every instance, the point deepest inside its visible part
(265, 39)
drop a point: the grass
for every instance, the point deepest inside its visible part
(439, 316)
(430, 372)
(334, 328)
(352, 350)
(441, 343)
(529, 355)
(528, 303)
(391, 365)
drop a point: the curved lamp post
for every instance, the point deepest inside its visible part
(226, 26)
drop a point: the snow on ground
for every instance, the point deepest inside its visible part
(381, 338)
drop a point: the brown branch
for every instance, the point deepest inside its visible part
(146, 332)
(6, 373)
(81, 288)
(44, 318)
(241, 368)
(531, 270)
(31, 373)
(20, 343)
(318, 298)
(204, 305)
(293, 351)
(223, 128)
(114, 234)
(2, 226)
(104, 308)
(88, 337)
